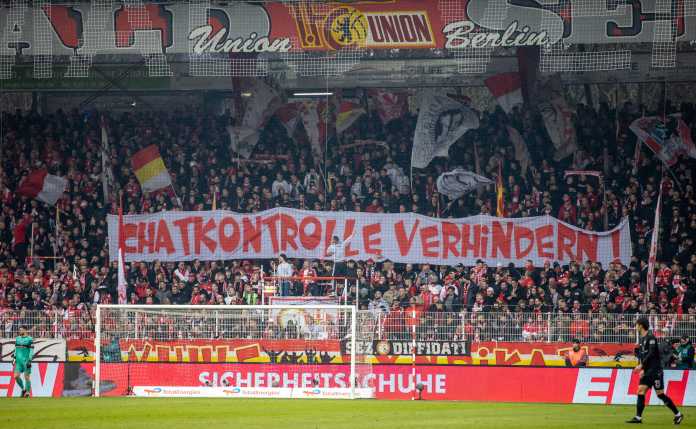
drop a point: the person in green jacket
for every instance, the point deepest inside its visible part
(685, 351)
(24, 352)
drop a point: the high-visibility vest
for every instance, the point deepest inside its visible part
(576, 357)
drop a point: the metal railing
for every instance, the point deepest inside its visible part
(398, 325)
(65, 324)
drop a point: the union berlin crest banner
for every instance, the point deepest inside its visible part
(402, 238)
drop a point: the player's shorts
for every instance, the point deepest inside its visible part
(22, 367)
(653, 379)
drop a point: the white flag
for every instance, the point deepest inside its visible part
(558, 119)
(459, 182)
(521, 150)
(264, 101)
(441, 122)
(314, 116)
(243, 140)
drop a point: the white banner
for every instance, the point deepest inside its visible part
(403, 237)
(265, 102)
(252, 392)
(441, 122)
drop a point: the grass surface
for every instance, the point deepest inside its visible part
(74, 413)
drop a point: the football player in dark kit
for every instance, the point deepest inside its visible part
(650, 369)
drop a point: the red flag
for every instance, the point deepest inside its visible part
(500, 191)
(507, 89)
(247, 352)
(19, 233)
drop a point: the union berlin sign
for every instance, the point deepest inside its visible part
(82, 29)
(403, 238)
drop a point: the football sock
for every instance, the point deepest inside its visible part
(640, 406)
(668, 401)
(18, 379)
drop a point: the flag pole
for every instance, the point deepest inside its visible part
(57, 235)
(31, 243)
(121, 291)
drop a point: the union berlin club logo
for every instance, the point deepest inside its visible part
(347, 27)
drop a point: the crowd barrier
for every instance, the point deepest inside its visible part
(488, 325)
(391, 382)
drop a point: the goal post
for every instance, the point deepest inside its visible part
(277, 351)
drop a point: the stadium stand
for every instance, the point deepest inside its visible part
(68, 272)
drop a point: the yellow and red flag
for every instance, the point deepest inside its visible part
(150, 170)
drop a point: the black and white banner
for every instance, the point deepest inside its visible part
(45, 350)
(558, 118)
(460, 182)
(404, 348)
(441, 122)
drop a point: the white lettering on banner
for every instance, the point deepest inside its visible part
(620, 394)
(690, 391)
(403, 238)
(388, 383)
(592, 386)
(218, 44)
(83, 30)
(669, 376)
(459, 34)
(612, 386)
(43, 380)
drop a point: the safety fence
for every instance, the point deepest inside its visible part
(398, 324)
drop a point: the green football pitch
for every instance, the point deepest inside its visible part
(90, 413)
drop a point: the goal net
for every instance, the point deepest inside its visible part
(279, 351)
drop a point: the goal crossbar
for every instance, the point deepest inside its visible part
(124, 322)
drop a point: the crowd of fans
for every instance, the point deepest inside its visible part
(70, 269)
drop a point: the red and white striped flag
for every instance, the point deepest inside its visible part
(669, 138)
(389, 105)
(507, 89)
(43, 186)
(653, 247)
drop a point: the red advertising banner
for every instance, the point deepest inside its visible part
(507, 384)
(403, 238)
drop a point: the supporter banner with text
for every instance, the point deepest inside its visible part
(277, 27)
(378, 352)
(403, 237)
